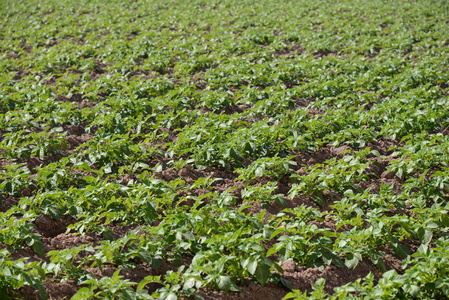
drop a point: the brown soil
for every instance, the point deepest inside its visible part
(299, 277)
(7, 202)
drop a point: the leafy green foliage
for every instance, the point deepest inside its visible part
(209, 150)
(423, 279)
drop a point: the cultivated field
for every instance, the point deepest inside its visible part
(224, 149)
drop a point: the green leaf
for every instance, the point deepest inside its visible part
(55, 212)
(375, 153)
(157, 262)
(412, 289)
(402, 250)
(258, 247)
(108, 234)
(197, 297)
(41, 153)
(38, 247)
(158, 168)
(141, 165)
(296, 294)
(224, 282)
(83, 294)
(267, 233)
(360, 143)
(432, 225)
(331, 258)
(189, 283)
(9, 187)
(129, 294)
(425, 235)
(170, 296)
(423, 248)
(272, 251)
(259, 172)
(38, 285)
(286, 283)
(107, 169)
(252, 266)
(147, 280)
(145, 256)
(445, 220)
(351, 262)
(262, 273)
(380, 264)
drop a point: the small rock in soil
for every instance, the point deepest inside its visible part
(288, 266)
(388, 174)
(341, 149)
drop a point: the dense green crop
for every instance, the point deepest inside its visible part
(168, 149)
